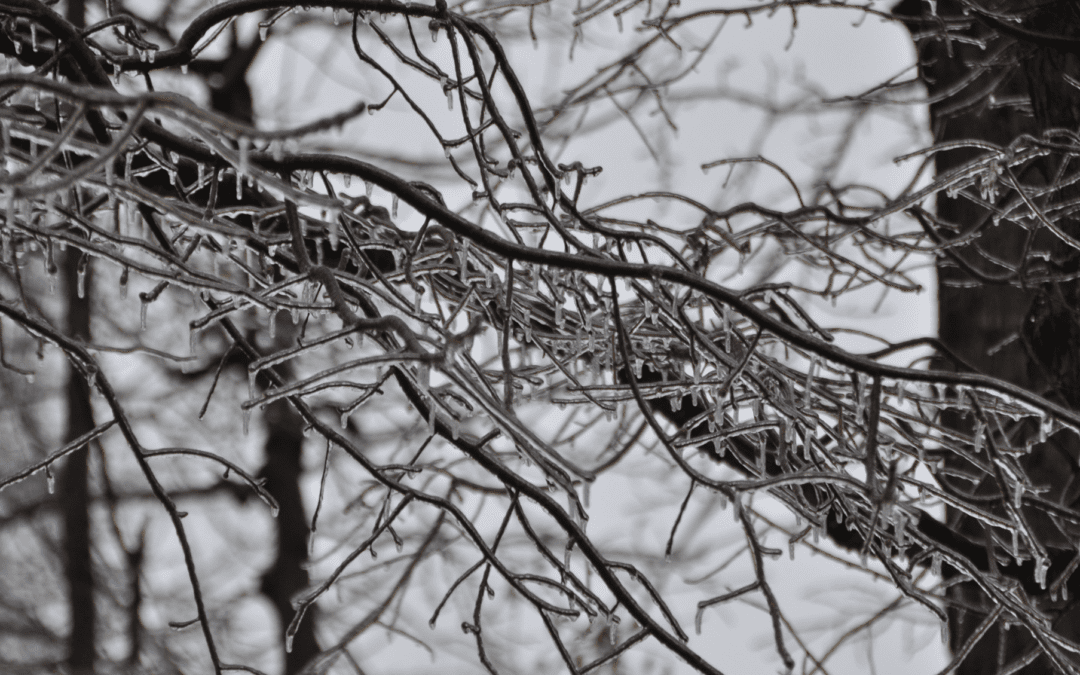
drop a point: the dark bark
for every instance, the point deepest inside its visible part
(286, 576)
(73, 493)
(1033, 318)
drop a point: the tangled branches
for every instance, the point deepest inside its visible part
(517, 346)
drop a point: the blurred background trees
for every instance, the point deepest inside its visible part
(366, 335)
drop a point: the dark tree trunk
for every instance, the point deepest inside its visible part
(73, 492)
(287, 576)
(1025, 332)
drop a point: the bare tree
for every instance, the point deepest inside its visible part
(524, 406)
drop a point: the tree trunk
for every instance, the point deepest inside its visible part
(1019, 329)
(73, 491)
(287, 576)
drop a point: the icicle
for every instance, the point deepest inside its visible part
(337, 16)
(184, 68)
(727, 329)
(1045, 424)
(463, 260)
(393, 207)
(347, 179)
(239, 186)
(81, 278)
(245, 156)
(368, 188)
(434, 34)
(50, 480)
(450, 99)
(860, 396)
(253, 376)
(333, 233)
(935, 564)
(264, 31)
(246, 415)
(142, 313)
(809, 386)
(1041, 567)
